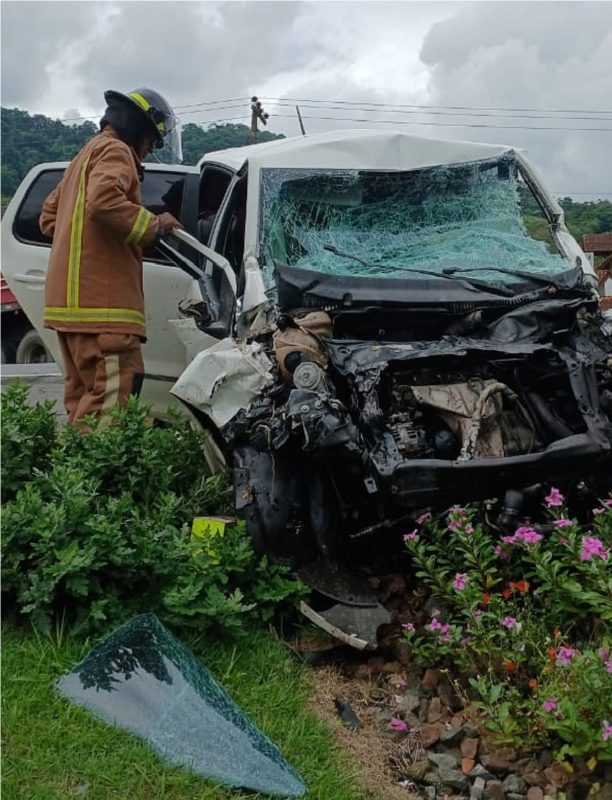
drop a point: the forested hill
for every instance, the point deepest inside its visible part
(30, 140)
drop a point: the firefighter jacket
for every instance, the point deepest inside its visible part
(98, 226)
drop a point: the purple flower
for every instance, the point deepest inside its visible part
(409, 537)
(446, 638)
(464, 642)
(455, 525)
(562, 523)
(461, 581)
(398, 724)
(593, 547)
(555, 498)
(608, 502)
(408, 626)
(604, 654)
(477, 612)
(565, 655)
(549, 705)
(434, 625)
(469, 529)
(423, 518)
(509, 622)
(607, 730)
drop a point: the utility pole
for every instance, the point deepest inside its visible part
(297, 108)
(257, 113)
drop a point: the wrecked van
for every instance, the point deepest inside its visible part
(380, 335)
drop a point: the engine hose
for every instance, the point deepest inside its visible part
(468, 448)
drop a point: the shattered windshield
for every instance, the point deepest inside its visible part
(465, 216)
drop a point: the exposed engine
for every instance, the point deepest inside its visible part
(354, 434)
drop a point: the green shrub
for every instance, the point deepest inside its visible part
(97, 527)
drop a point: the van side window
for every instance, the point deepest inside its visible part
(213, 186)
(25, 227)
(161, 191)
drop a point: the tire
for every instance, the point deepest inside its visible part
(31, 350)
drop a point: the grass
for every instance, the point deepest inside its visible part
(53, 750)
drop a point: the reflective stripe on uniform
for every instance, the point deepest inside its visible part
(139, 228)
(76, 241)
(140, 100)
(125, 315)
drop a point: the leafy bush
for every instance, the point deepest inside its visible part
(97, 526)
(523, 617)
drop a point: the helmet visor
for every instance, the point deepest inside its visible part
(171, 151)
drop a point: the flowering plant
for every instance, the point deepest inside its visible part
(522, 611)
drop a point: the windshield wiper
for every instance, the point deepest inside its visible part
(517, 273)
(467, 283)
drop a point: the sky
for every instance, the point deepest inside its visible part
(479, 71)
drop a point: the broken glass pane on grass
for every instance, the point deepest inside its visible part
(142, 679)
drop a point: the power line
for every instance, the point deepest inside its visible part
(452, 108)
(443, 124)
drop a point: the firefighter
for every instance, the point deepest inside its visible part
(94, 288)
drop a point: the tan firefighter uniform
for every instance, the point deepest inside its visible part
(94, 288)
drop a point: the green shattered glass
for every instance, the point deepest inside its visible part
(142, 679)
(464, 216)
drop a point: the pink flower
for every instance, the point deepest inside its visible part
(593, 547)
(549, 705)
(562, 523)
(423, 518)
(608, 502)
(509, 622)
(455, 525)
(528, 535)
(408, 626)
(565, 655)
(434, 625)
(605, 657)
(398, 724)
(469, 529)
(461, 581)
(464, 642)
(409, 537)
(477, 612)
(607, 730)
(598, 511)
(555, 498)
(446, 638)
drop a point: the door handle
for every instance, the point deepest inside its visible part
(23, 278)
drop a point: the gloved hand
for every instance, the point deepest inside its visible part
(166, 222)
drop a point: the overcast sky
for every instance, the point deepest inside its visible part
(532, 57)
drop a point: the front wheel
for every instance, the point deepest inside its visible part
(31, 350)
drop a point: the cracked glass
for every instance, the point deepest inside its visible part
(142, 679)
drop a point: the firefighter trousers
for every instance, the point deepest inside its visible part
(100, 371)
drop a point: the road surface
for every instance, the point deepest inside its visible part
(45, 380)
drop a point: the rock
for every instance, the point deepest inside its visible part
(423, 709)
(448, 695)
(457, 720)
(494, 763)
(477, 790)
(507, 753)
(546, 758)
(550, 792)
(430, 679)
(534, 778)
(535, 793)
(409, 702)
(443, 760)
(514, 785)
(480, 772)
(467, 765)
(430, 792)
(453, 778)
(493, 791)
(514, 796)
(604, 792)
(417, 770)
(608, 773)
(469, 747)
(430, 734)
(452, 735)
(434, 713)
(392, 668)
(557, 775)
